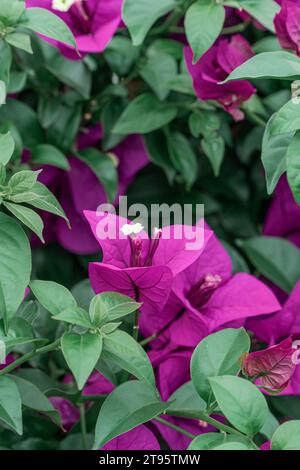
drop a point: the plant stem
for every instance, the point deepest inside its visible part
(176, 428)
(30, 355)
(148, 340)
(204, 417)
(135, 333)
(239, 28)
(83, 427)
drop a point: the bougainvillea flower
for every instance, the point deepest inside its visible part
(138, 266)
(274, 367)
(93, 22)
(273, 328)
(208, 298)
(140, 438)
(214, 66)
(79, 189)
(287, 25)
(283, 217)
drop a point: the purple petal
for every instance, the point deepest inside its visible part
(243, 296)
(180, 246)
(139, 438)
(149, 285)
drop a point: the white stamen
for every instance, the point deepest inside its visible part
(63, 5)
(132, 229)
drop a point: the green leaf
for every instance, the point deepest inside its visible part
(11, 11)
(274, 149)
(203, 23)
(28, 217)
(5, 63)
(214, 148)
(217, 354)
(232, 446)
(33, 398)
(145, 114)
(46, 154)
(104, 166)
(293, 166)
(25, 120)
(157, 149)
(7, 147)
(10, 404)
(75, 316)
(241, 402)
(15, 266)
(48, 110)
(214, 441)
(19, 40)
(207, 441)
(186, 398)
(121, 348)
(81, 353)
(52, 296)
(110, 306)
(17, 82)
(287, 119)
(287, 436)
(278, 65)
(275, 258)
(73, 73)
(23, 181)
(121, 55)
(131, 404)
(270, 426)
(2, 92)
(43, 199)
(183, 157)
(140, 16)
(264, 11)
(45, 22)
(159, 72)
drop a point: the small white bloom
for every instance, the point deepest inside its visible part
(137, 228)
(62, 5)
(132, 229)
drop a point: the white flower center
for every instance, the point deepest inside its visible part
(132, 229)
(63, 5)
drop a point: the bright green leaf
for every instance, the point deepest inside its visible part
(75, 316)
(52, 296)
(293, 166)
(19, 40)
(7, 147)
(121, 348)
(287, 436)
(217, 354)
(241, 402)
(82, 353)
(131, 404)
(278, 65)
(28, 217)
(10, 404)
(110, 306)
(140, 15)
(45, 22)
(15, 266)
(274, 149)
(203, 23)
